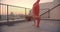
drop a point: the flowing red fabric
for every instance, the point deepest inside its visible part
(36, 11)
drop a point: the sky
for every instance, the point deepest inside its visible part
(23, 3)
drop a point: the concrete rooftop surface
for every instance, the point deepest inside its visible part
(45, 26)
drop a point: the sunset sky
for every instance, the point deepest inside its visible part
(21, 3)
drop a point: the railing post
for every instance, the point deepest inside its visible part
(25, 11)
(48, 14)
(0, 11)
(7, 16)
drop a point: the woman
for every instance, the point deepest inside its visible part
(36, 12)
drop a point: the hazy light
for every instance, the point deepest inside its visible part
(24, 3)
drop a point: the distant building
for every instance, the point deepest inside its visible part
(11, 16)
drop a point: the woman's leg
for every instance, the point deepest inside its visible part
(37, 22)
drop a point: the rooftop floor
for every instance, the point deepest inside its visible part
(45, 26)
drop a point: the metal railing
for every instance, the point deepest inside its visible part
(7, 8)
(50, 11)
(13, 12)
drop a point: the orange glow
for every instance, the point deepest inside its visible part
(15, 10)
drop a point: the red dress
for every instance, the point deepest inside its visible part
(36, 11)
